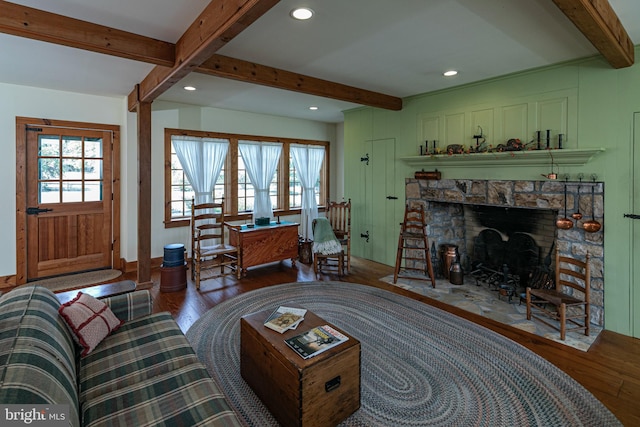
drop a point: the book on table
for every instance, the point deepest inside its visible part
(315, 341)
(284, 318)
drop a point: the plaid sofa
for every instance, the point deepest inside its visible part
(143, 374)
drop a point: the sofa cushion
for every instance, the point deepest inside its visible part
(147, 373)
(37, 353)
(131, 305)
(185, 397)
(139, 350)
(90, 320)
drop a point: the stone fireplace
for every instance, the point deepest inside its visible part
(459, 210)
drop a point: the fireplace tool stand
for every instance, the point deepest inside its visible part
(503, 282)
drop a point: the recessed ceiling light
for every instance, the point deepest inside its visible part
(450, 73)
(313, 107)
(189, 88)
(302, 13)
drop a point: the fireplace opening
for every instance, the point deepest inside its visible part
(509, 248)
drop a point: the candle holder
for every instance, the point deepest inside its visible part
(548, 138)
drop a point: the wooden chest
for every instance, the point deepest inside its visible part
(263, 244)
(319, 391)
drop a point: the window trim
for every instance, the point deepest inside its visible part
(231, 173)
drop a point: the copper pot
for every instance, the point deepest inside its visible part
(449, 256)
(592, 225)
(577, 215)
(564, 223)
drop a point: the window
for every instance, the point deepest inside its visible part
(69, 169)
(233, 183)
(295, 187)
(181, 190)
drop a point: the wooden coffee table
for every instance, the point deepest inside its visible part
(320, 391)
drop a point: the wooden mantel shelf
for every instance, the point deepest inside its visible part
(564, 157)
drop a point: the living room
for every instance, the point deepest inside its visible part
(601, 112)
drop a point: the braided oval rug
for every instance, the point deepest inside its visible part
(420, 365)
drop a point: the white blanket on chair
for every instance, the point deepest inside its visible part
(324, 239)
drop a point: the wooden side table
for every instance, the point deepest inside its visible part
(320, 391)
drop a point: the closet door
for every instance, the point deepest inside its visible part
(635, 228)
(374, 224)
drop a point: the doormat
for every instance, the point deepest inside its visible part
(78, 280)
(488, 303)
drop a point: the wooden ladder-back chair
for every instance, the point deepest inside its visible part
(333, 260)
(570, 297)
(208, 247)
(339, 215)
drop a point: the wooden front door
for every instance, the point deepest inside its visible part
(68, 200)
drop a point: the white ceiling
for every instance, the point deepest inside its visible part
(398, 48)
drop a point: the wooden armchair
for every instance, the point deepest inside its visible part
(570, 297)
(208, 248)
(339, 215)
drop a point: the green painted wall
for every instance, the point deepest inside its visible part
(602, 103)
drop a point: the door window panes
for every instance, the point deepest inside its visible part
(70, 169)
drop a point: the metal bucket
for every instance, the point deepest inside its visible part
(456, 275)
(449, 256)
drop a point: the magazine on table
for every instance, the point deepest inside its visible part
(285, 318)
(315, 341)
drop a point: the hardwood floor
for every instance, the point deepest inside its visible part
(610, 369)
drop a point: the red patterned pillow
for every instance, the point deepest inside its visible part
(90, 320)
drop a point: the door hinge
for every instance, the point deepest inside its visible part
(632, 216)
(30, 129)
(365, 159)
(36, 210)
(365, 235)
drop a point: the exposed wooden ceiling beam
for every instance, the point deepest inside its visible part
(218, 23)
(250, 72)
(600, 24)
(49, 27)
(595, 18)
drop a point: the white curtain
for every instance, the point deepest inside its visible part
(261, 161)
(307, 160)
(201, 160)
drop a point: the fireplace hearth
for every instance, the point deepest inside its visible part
(505, 230)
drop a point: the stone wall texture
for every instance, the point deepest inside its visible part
(444, 200)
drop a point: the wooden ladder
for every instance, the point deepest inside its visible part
(413, 247)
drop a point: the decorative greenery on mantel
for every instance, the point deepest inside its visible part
(562, 157)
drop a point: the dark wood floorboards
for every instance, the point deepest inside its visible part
(610, 369)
